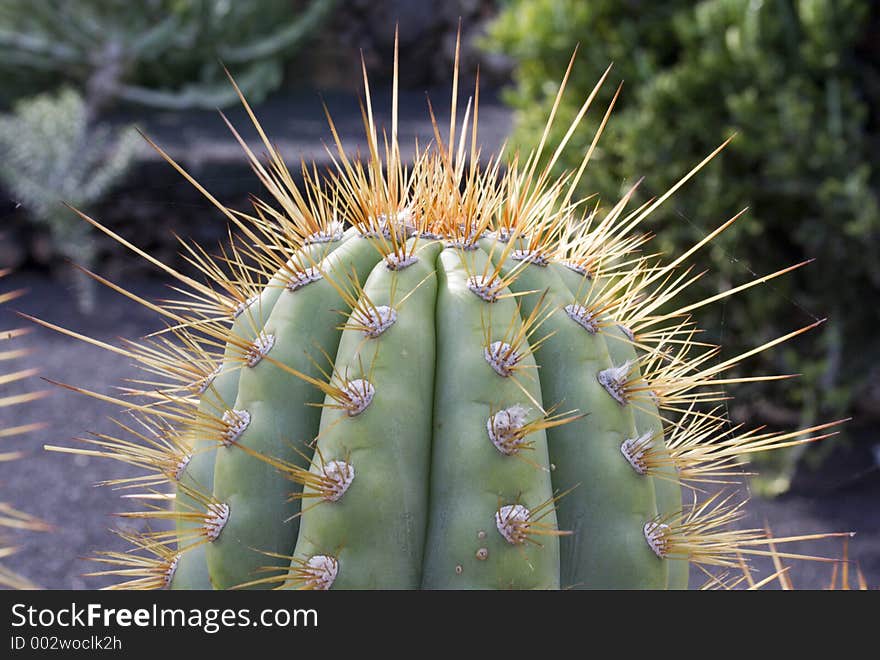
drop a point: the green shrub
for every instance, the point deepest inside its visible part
(789, 78)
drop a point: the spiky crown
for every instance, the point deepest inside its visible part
(450, 192)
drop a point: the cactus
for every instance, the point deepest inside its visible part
(440, 375)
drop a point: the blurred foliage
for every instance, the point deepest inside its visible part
(52, 156)
(163, 53)
(794, 79)
(160, 53)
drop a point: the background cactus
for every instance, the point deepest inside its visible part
(439, 375)
(52, 155)
(97, 55)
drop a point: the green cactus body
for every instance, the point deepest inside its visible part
(667, 488)
(646, 416)
(218, 393)
(609, 503)
(411, 491)
(472, 482)
(191, 570)
(369, 508)
(282, 419)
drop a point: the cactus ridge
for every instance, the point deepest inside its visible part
(376, 406)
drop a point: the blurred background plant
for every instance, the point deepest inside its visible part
(163, 53)
(52, 156)
(59, 147)
(798, 82)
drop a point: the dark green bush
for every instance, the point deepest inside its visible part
(796, 82)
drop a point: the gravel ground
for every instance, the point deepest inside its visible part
(60, 488)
